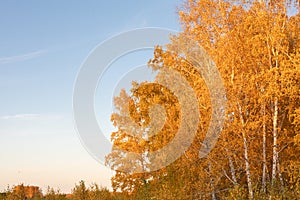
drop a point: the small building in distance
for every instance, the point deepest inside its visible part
(28, 191)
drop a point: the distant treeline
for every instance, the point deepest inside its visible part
(79, 192)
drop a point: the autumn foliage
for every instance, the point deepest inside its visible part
(256, 47)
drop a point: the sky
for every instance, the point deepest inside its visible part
(42, 47)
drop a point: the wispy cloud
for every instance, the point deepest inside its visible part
(22, 57)
(32, 117)
(20, 116)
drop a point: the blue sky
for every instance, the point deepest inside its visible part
(42, 46)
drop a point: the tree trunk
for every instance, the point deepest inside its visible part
(232, 170)
(212, 185)
(264, 150)
(280, 175)
(275, 153)
(247, 164)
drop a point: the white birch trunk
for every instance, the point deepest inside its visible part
(246, 157)
(232, 170)
(264, 151)
(212, 185)
(275, 153)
